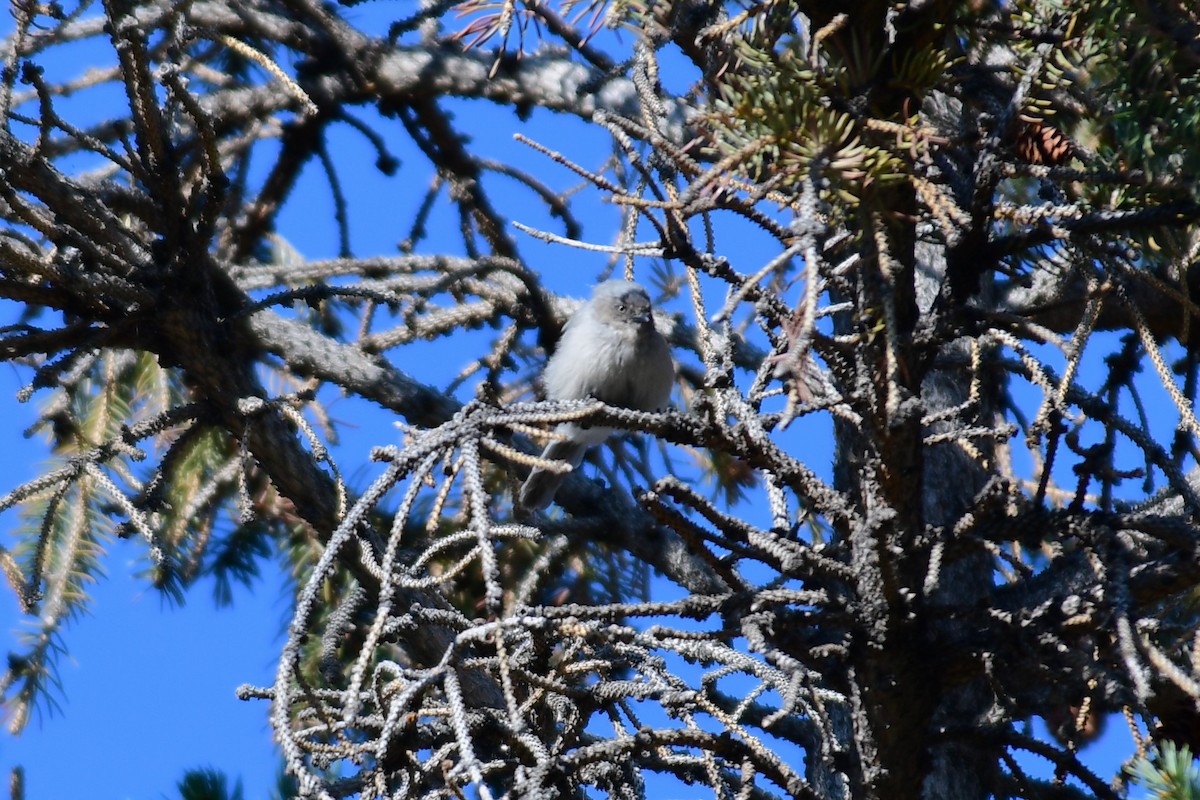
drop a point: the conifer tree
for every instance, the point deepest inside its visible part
(958, 236)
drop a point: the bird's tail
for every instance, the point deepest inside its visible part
(538, 490)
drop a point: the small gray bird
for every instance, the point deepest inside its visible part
(611, 351)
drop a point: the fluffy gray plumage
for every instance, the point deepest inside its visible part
(610, 350)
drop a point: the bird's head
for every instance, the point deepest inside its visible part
(622, 304)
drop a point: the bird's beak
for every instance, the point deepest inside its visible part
(643, 318)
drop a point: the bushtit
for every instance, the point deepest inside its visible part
(609, 350)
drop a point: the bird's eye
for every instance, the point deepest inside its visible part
(621, 307)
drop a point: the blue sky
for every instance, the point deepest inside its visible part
(148, 688)
(125, 729)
